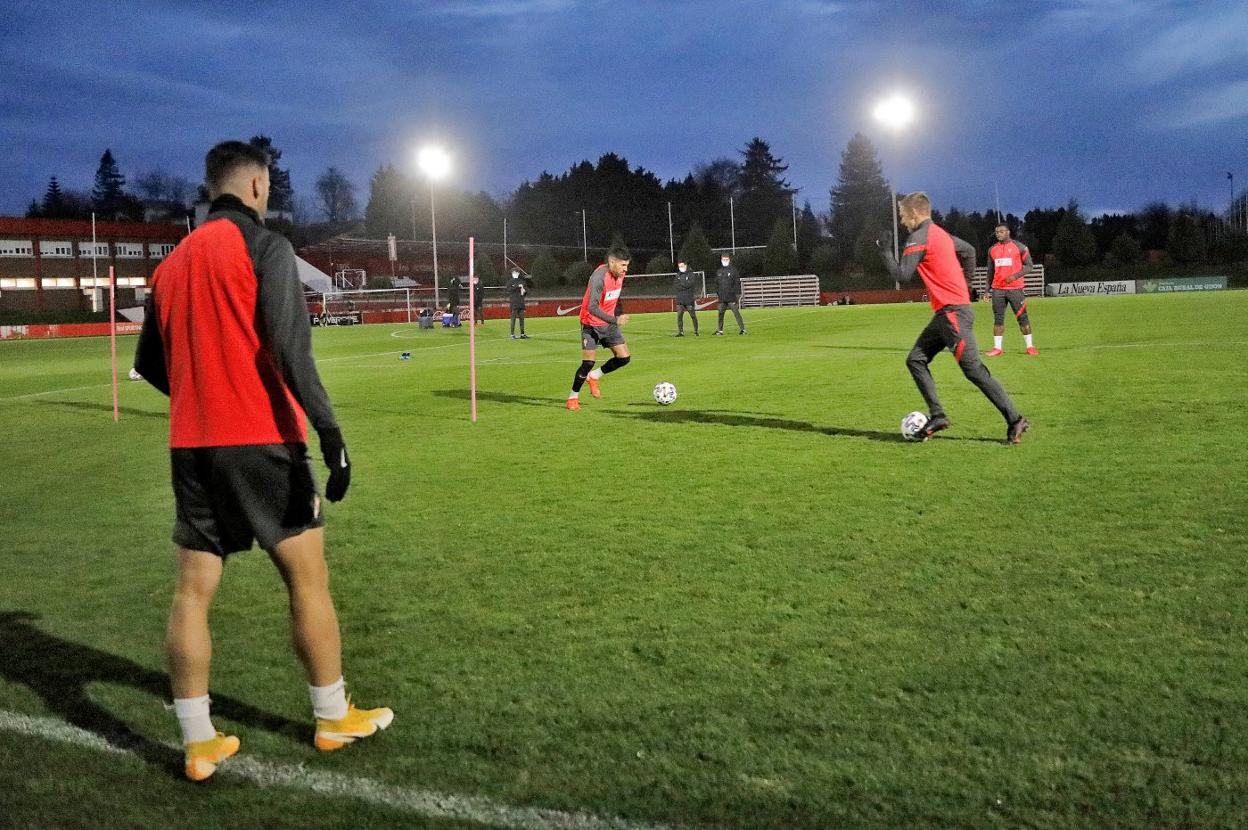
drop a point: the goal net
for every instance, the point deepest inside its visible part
(659, 285)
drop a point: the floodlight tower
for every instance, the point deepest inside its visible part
(435, 164)
(895, 112)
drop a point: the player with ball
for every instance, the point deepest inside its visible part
(945, 263)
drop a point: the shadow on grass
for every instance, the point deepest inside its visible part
(499, 397)
(900, 351)
(61, 672)
(729, 418)
(84, 406)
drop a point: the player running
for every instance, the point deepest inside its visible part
(601, 324)
(226, 336)
(1011, 263)
(945, 263)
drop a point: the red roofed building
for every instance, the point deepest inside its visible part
(53, 264)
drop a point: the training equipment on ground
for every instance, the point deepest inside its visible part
(912, 426)
(665, 393)
(359, 723)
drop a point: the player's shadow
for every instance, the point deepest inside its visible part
(84, 406)
(893, 349)
(729, 418)
(498, 397)
(61, 672)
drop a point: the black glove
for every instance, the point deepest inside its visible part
(885, 241)
(334, 451)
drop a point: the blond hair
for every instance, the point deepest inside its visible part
(917, 203)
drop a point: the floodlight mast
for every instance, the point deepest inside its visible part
(435, 164)
(895, 112)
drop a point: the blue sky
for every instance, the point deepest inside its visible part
(1113, 102)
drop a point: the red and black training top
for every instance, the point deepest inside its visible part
(226, 336)
(945, 263)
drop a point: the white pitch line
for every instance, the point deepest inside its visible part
(425, 803)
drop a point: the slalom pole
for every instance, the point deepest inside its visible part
(472, 328)
(112, 334)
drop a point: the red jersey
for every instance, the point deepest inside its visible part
(1008, 264)
(602, 295)
(941, 261)
(228, 337)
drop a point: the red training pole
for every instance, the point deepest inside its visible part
(472, 329)
(112, 334)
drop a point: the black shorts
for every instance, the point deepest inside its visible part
(1017, 301)
(593, 337)
(229, 497)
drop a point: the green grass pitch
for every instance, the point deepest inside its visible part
(756, 608)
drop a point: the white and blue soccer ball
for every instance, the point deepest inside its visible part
(912, 425)
(665, 393)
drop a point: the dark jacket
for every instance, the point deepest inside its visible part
(686, 285)
(728, 284)
(452, 291)
(517, 289)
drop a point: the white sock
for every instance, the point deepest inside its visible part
(1027, 340)
(329, 702)
(573, 395)
(596, 374)
(194, 719)
(997, 340)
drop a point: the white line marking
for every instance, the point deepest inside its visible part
(425, 803)
(56, 391)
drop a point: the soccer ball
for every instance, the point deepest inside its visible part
(912, 425)
(665, 393)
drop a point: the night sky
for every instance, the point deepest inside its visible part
(1113, 102)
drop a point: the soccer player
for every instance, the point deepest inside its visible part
(452, 294)
(227, 337)
(600, 325)
(728, 288)
(945, 263)
(478, 301)
(1011, 263)
(517, 287)
(686, 283)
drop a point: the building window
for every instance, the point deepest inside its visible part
(159, 250)
(129, 250)
(58, 282)
(16, 247)
(55, 250)
(20, 282)
(89, 249)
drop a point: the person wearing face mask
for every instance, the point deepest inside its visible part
(728, 287)
(517, 288)
(686, 285)
(478, 300)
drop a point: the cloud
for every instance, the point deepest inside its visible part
(1200, 43)
(501, 8)
(1212, 105)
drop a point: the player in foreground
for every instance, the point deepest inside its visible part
(945, 263)
(600, 325)
(226, 336)
(1011, 263)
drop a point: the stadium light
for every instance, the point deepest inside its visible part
(895, 112)
(436, 164)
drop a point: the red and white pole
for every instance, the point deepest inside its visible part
(472, 327)
(112, 334)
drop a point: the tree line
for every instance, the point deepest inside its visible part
(743, 202)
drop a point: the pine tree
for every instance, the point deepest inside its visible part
(809, 235)
(696, 251)
(544, 269)
(388, 210)
(1074, 243)
(108, 195)
(483, 267)
(861, 200)
(54, 206)
(780, 258)
(764, 194)
(1186, 243)
(281, 193)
